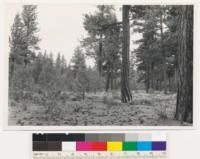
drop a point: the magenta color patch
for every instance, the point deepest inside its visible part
(83, 146)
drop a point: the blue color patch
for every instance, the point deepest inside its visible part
(144, 146)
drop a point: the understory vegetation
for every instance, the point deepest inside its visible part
(147, 109)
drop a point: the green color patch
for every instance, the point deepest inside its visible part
(129, 146)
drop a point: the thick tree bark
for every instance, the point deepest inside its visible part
(184, 105)
(126, 95)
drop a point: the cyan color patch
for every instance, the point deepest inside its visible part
(144, 146)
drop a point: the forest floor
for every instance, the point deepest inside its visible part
(147, 109)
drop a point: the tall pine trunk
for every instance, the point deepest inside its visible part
(126, 95)
(147, 80)
(164, 67)
(100, 55)
(184, 105)
(152, 76)
(108, 80)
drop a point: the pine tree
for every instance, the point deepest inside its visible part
(171, 43)
(63, 64)
(126, 95)
(161, 13)
(17, 42)
(37, 67)
(184, 105)
(23, 43)
(47, 78)
(29, 16)
(78, 61)
(158, 27)
(80, 72)
(104, 43)
(58, 64)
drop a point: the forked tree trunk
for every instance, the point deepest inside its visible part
(126, 95)
(184, 105)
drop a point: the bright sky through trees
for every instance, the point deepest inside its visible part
(61, 26)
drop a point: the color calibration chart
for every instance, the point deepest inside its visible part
(100, 146)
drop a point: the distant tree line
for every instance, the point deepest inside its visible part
(30, 70)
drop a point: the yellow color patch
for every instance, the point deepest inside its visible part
(114, 146)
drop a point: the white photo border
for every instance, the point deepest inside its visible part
(4, 53)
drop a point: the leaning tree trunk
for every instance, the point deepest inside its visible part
(125, 90)
(184, 105)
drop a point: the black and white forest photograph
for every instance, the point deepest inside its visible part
(100, 65)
